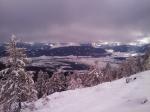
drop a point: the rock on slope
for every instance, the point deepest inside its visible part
(116, 96)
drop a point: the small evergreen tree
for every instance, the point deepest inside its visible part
(41, 84)
(146, 62)
(74, 81)
(17, 83)
(56, 83)
(93, 77)
(108, 72)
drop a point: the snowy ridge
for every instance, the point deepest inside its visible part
(101, 43)
(139, 42)
(57, 45)
(116, 96)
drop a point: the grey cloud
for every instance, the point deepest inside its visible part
(74, 20)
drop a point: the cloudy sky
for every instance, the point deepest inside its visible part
(75, 20)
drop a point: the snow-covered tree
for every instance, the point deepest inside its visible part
(108, 72)
(131, 66)
(93, 77)
(146, 62)
(74, 81)
(41, 84)
(17, 84)
(56, 83)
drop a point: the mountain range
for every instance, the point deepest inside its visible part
(84, 49)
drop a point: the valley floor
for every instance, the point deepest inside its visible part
(115, 96)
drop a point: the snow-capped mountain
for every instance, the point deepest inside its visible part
(63, 49)
(138, 42)
(115, 96)
(141, 42)
(80, 49)
(56, 45)
(104, 43)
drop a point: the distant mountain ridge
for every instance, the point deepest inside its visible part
(39, 49)
(66, 49)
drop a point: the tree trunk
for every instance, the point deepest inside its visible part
(19, 106)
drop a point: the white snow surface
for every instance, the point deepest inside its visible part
(115, 96)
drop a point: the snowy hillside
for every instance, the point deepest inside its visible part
(116, 96)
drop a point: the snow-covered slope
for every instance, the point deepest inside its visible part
(116, 96)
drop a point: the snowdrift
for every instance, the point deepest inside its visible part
(116, 96)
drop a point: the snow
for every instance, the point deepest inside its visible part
(56, 45)
(101, 43)
(140, 42)
(145, 40)
(49, 61)
(110, 50)
(115, 96)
